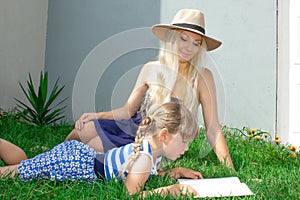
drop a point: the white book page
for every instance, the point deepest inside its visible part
(218, 187)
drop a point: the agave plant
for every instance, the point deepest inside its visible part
(41, 110)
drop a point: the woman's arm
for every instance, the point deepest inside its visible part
(125, 112)
(208, 100)
(133, 103)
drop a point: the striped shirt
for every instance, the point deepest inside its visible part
(116, 158)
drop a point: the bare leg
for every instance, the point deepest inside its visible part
(87, 135)
(73, 136)
(9, 171)
(96, 144)
(10, 153)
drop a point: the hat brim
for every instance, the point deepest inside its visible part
(160, 31)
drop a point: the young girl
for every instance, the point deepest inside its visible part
(166, 131)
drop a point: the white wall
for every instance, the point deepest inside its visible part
(289, 67)
(283, 120)
(246, 61)
(23, 26)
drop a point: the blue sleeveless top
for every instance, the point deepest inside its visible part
(116, 158)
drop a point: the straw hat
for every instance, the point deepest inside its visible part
(190, 20)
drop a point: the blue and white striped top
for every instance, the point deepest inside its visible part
(115, 159)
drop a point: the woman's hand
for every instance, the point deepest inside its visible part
(185, 173)
(86, 117)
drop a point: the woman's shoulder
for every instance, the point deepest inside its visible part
(152, 63)
(206, 83)
(205, 74)
(151, 67)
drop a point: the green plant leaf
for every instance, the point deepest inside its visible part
(40, 111)
(54, 93)
(44, 86)
(55, 115)
(31, 92)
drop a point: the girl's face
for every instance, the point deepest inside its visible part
(174, 146)
(189, 44)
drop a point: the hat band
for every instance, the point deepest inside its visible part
(192, 26)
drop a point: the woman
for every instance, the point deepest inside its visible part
(166, 132)
(178, 75)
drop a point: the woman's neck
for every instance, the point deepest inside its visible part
(183, 68)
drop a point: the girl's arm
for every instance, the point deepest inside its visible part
(208, 100)
(181, 172)
(139, 173)
(172, 190)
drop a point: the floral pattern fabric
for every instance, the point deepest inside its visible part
(70, 160)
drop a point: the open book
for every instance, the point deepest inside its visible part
(218, 187)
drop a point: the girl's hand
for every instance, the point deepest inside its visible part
(185, 173)
(86, 117)
(182, 189)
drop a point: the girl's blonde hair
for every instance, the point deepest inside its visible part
(173, 116)
(166, 77)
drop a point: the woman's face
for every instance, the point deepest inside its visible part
(189, 44)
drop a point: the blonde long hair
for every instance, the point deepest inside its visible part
(166, 77)
(173, 116)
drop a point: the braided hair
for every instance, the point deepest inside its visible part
(173, 116)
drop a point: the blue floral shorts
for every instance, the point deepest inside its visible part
(70, 160)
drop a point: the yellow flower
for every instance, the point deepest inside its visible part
(250, 136)
(293, 148)
(282, 146)
(277, 141)
(277, 137)
(293, 154)
(266, 135)
(257, 137)
(253, 130)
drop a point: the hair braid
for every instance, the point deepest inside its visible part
(144, 127)
(140, 136)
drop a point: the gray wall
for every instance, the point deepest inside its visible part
(245, 69)
(85, 33)
(23, 26)
(76, 28)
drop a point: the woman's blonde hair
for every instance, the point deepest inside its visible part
(166, 77)
(173, 116)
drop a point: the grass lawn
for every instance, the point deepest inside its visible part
(268, 169)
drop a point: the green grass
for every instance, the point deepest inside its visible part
(268, 170)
